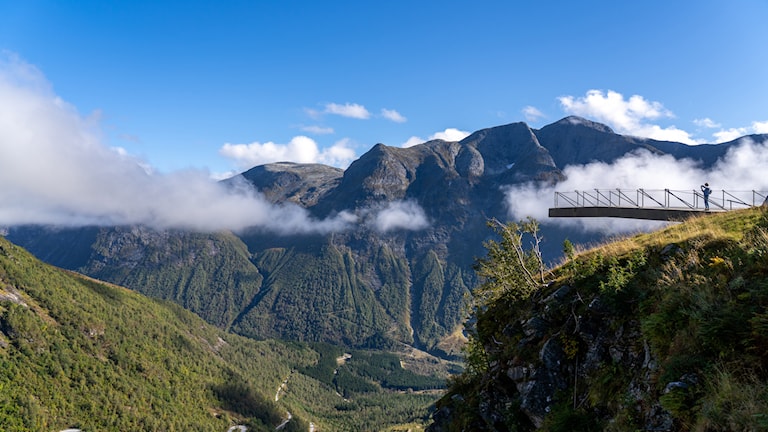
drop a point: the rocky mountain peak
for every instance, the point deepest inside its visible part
(575, 141)
(303, 184)
(572, 121)
(510, 148)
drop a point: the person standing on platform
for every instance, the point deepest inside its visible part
(706, 191)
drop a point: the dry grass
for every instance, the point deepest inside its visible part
(735, 403)
(454, 342)
(727, 225)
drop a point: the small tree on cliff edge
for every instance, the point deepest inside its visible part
(510, 269)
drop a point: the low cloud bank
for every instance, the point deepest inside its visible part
(741, 169)
(400, 215)
(55, 170)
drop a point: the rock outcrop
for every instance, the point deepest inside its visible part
(648, 334)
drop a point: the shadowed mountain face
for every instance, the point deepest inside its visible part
(371, 285)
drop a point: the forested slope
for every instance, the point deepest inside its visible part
(77, 352)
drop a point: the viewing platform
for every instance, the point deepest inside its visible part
(651, 204)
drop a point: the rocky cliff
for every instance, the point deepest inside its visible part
(661, 332)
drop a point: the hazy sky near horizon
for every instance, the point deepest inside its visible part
(123, 112)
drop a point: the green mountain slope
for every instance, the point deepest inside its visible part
(209, 274)
(664, 331)
(313, 296)
(301, 288)
(76, 352)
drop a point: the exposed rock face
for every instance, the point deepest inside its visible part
(511, 149)
(573, 344)
(303, 184)
(576, 141)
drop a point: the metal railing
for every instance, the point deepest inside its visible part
(660, 198)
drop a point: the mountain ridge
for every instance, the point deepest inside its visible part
(364, 284)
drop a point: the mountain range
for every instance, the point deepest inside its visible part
(383, 283)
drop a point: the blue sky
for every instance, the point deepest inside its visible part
(126, 112)
(227, 85)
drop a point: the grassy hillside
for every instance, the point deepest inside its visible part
(660, 331)
(76, 352)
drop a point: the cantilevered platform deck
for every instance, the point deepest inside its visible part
(650, 204)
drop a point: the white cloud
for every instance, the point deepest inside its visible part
(726, 135)
(636, 116)
(626, 116)
(412, 141)
(670, 133)
(729, 134)
(223, 175)
(317, 130)
(741, 169)
(56, 170)
(450, 135)
(340, 154)
(393, 115)
(532, 114)
(300, 149)
(348, 110)
(706, 122)
(400, 215)
(760, 127)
